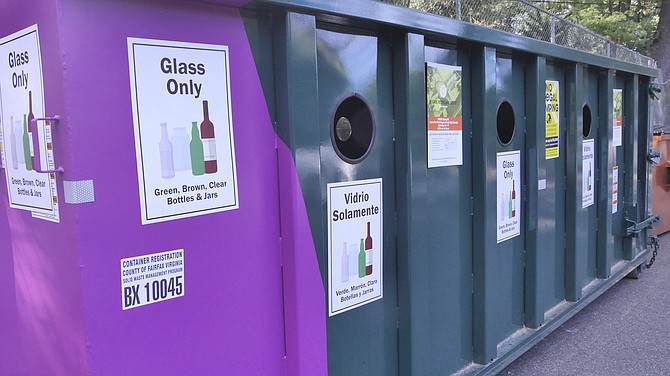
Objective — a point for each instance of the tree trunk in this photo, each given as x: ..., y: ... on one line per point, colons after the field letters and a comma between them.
x: 660, y: 47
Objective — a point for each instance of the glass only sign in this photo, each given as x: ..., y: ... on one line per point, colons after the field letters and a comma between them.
x: 21, y: 101
x: 508, y: 195
x: 183, y: 128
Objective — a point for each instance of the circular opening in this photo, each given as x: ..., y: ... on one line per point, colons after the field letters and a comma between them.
x: 353, y: 129
x: 586, y: 120
x: 505, y: 122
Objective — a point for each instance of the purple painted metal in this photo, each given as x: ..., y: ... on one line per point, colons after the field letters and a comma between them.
x: 242, y: 314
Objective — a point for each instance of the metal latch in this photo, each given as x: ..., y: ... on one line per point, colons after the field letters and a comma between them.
x: 33, y: 127
x: 633, y: 228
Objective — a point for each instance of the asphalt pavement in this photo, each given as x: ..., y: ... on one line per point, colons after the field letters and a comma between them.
x: 625, y: 331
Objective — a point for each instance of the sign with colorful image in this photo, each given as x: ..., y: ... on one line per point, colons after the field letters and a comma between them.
x: 588, y: 173
x: 552, y: 134
x: 355, y: 244
x: 21, y: 101
x: 617, y: 112
x: 444, y: 100
x: 508, y: 195
x: 183, y: 128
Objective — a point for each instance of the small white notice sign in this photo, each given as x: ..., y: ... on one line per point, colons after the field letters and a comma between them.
x: 152, y: 278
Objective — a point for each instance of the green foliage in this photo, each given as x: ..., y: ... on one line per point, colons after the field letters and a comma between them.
x: 444, y: 88
x: 632, y: 23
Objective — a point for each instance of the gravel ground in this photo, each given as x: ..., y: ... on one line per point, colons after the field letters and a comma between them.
x: 625, y: 331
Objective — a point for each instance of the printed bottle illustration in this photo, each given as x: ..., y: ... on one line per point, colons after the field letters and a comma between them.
x: 181, y: 154
x: 345, y: 263
x: 513, y: 201
x: 30, y: 119
x: 12, y: 144
x: 208, y: 141
x: 361, y: 260
x: 165, y: 148
x: 18, y: 127
x: 353, y: 258
x: 368, y: 252
x: 197, y: 156
x: 27, y: 144
x: 588, y: 180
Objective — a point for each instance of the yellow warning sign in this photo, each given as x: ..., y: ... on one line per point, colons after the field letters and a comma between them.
x: 552, y: 120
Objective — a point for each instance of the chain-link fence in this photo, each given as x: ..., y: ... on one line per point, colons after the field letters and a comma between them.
x: 523, y: 18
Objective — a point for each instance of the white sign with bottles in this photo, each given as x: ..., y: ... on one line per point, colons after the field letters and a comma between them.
x: 21, y: 101
x: 183, y: 128
x: 355, y: 244
x: 508, y: 195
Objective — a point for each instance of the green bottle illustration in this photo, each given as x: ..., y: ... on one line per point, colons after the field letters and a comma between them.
x: 197, y: 153
x: 361, y: 260
x: 27, y: 144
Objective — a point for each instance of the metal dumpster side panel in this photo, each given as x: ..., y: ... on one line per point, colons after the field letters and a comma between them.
x: 42, y: 298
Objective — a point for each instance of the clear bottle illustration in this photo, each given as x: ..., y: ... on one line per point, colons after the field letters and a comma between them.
x: 368, y: 252
x: 361, y: 260
x: 165, y: 149
x: 197, y: 156
x: 208, y: 141
x: 345, y: 263
x: 12, y: 144
x: 181, y: 154
x: 18, y: 129
x: 30, y: 119
x: 27, y: 144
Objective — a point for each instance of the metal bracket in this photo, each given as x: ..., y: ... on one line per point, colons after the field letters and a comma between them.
x: 633, y: 228
x: 36, y: 144
x: 654, y: 91
x: 653, y: 156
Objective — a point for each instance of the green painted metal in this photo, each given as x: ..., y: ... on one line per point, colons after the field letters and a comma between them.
x: 507, y: 257
x: 552, y: 203
x: 409, y: 91
x: 363, y: 340
x: 605, y: 160
x: 455, y: 300
x: 425, y: 23
x: 631, y: 152
x: 536, y: 170
x: 618, y: 223
x: 484, y: 79
x: 590, y: 244
x: 576, y: 232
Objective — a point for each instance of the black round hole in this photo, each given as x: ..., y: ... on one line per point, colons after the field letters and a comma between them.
x: 505, y: 122
x: 586, y: 120
x: 352, y: 129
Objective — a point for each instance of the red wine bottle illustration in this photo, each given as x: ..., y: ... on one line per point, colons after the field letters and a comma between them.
x: 208, y: 141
